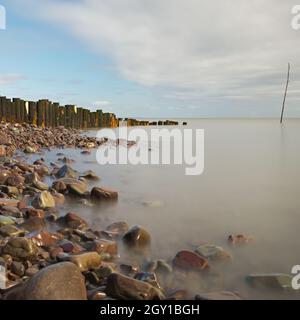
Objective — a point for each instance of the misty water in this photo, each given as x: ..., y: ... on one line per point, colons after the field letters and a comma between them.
x: 250, y: 185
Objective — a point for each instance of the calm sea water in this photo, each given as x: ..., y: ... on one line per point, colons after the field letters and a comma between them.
x: 250, y: 185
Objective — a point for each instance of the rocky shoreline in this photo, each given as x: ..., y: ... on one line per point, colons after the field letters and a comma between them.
x: 49, y: 254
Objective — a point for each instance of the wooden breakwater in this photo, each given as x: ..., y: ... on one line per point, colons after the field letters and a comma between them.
x: 45, y: 113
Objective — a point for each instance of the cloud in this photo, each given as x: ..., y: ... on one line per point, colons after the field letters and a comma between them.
x: 192, y: 49
x: 10, y: 78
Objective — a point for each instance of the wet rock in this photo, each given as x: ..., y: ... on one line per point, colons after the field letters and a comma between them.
x: 239, y: 239
x: 137, y: 238
x: 2, y: 151
x: 148, y: 277
x: 44, y: 238
x: 72, y: 220
x: 212, y: 252
x: 31, y: 212
x: 30, y: 149
x: 20, y: 248
x: 4, y: 174
x: 6, y: 221
x: 34, y: 224
x: 9, y: 202
x: 91, y: 175
x: 190, y: 261
x: 30, y: 272
x: 66, y: 172
x: 78, y: 188
x: 125, y: 288
x: 18, y: 268
x: 15, y: 180
x: 220, y: 295
x: 11, y: 212
x: 44, y: 200
x: 99, y: 194
x: 85, y: 261
x: 274, y: 281
x: 105, y: 246
x: 96, y: 294
x: 32, y: 177
x: 118, y: 228
x: 59, y: 186
x: 70, y: 247
x: 59, y: 198
x: 11, y: 191
x: 63, y: 281
x: 10, y: 231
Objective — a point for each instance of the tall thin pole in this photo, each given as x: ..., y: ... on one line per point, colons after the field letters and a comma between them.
x: 285, y: 93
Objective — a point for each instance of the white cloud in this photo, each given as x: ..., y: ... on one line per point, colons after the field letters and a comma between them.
x: 10, y: 78
x: 189, y: 49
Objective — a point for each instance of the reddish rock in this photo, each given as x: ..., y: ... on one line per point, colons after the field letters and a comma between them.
x: 59, y: 198
x: 72, y: 220
x: 99, y: 194
x: 190, y: 261
x: 54, y: 252
x: 105, y: 246
x: 15, y: 180
x: 9, y: 202
x: 59, y: 186
x: 31, y: 212
x: 34, y: 224
x: 44, y: 238
x: 2, y: 151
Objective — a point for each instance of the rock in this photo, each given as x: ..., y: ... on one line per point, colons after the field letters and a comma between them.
x: 78, y: 188
x: 96, y: 295
x: 220, y: 295
x: 9, y: 202
x: 31, y: 271
x: 32, y: 177
x: 18, y: 268
x: 239, y: 239
x: 85, y: 261
x: 10, y: 231
x: 59, y: 186
x: 72, y: 220
x: 11, y: 191
x: 66, y: 172
x: 190, y: 261
x: 15, y: 180
x: 34, y: 224
x: 125, y: 288
x: 99, y: 194
x: 11, y: 212
x: 212, y: 252
x: 20, y: 248
x: 137, y: 238
x: 61, y: 281
x: 148, y: 277
x: 2, y: 151
x: 31, y: 212
x: 70, y: 247
x: 44, y: 200
x: 59, y: 198
x: 105, y: 246
x: 44, y: 238
x: 40, y: 185
x: 4, y: 174
x: 6, y: 221
x: 30, y: 149
x: 118, y: 228
x: 274, y: 281
x: 91, y: 175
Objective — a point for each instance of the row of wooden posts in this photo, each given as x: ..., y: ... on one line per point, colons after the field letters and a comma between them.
x: 45, y: 113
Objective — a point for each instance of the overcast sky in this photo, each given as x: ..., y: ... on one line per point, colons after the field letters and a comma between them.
x: 153, y: 58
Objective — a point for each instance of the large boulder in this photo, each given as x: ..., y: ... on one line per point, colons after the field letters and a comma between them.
x: 61, y: 281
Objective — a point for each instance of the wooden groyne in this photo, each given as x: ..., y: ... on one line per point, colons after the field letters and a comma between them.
x: 45, y: 113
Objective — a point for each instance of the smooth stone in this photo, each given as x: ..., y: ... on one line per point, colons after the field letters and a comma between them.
x: 125, y: 288
x: 20, y: 248
x: 40, y: 185
x: 59, y: 198
x: 59, y: 186
x: 190, y: 261
x: 137, y: 238
x: 6, y: 221
x: 10, y: 231
x: 32, y: 177
x: 79, y: 188
x: 270, y: 281
x: 31, y: 212
x: 34, y: 224
x: 105, y: 246
x: 30, y: 149
x: 72, y: 220
x: 4, y: 174
x: 9, y: 202
x: 91, y: 175
x: 15, y: 180
x: 66, y: 172
x: 11, y: 191
x: 18, y: 268
x: 85, y: 261
x: 99, y: 194
x: 212, y: 252
x: 44, y: 238
x: 61, y: 281
x: 220, y: 295
x: 11, y: 212
x: 119, y: 228
x: 44, y: 200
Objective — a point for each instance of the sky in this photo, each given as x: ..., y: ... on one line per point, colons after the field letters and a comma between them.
x: 153, y: 58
